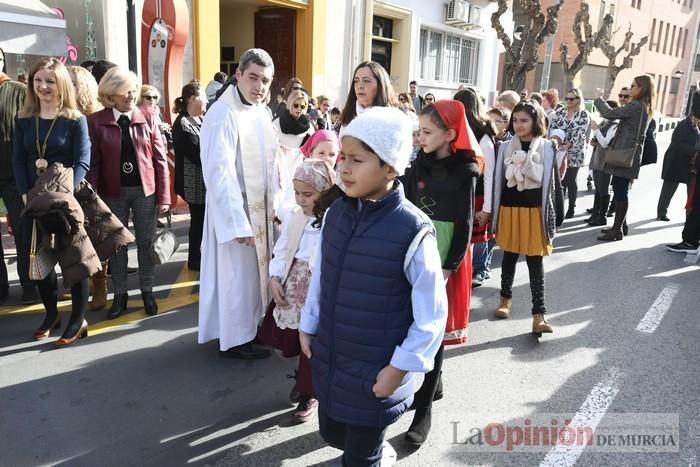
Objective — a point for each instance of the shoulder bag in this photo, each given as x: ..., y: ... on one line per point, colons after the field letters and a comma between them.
x: 623, y: 157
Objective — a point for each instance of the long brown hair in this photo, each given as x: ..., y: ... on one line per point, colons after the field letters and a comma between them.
x: 647, y: 93
x: 85, y: 90
x: 385, y: 92
x: 67, y: 107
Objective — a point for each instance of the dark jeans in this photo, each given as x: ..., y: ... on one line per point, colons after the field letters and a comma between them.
x: 361, y: 445
x: 194, y: 256
x: 23, y: 237
x: 483, y: 254
x: 569, y: 183
x: 621, y: 188
x: 668, y: 189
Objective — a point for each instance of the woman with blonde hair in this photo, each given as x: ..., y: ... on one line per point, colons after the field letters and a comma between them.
x: 631, y: 132
x: 85, y: 89
x: 291, y: 124
x: 129, y: 170
x: 507, y: 100
x: 51, y: 129
x: 574, y: 120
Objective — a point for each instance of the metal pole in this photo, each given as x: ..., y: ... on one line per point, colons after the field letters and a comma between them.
x: 547, y: 65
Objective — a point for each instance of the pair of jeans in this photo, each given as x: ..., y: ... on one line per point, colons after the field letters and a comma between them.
x: 483, y: 254
x: 22, y: 232
x: 361, y: 445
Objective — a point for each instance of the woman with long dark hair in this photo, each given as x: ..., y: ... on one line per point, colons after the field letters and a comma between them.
x: 631, y: 131
x: 189, y: 182
x: 485, y: 134
x: 371, y: 87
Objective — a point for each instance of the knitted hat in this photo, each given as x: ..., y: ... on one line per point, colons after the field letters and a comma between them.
x: 388, y: 131
x: 558, y: 133
x: 695, y: 108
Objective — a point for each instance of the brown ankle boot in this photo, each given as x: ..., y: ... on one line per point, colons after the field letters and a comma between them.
x: 503, y: 310
x: 99, y: 289
x: 540, y: 325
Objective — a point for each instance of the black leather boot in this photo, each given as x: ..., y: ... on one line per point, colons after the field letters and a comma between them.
x: 417, y: 433
x: 118, y: 306
x: 149, y: 303
x: 615, y: 233
x: 599, y: 217
x: 595, y: 209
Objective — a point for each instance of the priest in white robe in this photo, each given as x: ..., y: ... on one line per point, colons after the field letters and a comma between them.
x: 238, y: 151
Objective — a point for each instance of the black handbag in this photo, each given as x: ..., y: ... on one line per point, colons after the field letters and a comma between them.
x: 624, y: 157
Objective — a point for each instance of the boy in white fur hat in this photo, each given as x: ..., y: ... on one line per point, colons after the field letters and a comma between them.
x: 376, y: 311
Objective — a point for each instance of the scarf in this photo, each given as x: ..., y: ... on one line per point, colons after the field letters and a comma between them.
x: 292, y: 126
x: 524, y: 170
x: 454, y: 117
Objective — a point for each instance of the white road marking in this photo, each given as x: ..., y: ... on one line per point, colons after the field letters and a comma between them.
x: 661, y: 305
x: 588, y: 416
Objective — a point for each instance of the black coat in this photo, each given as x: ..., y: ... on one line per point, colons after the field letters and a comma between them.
x: 685, y: 143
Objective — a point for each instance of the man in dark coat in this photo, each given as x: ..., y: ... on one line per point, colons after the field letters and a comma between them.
x: 691, y: 230
x: 678, y: 160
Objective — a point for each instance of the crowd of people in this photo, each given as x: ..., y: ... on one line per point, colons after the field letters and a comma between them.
x: 347, y: 240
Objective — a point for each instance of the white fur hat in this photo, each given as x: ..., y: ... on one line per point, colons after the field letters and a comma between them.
x: 558, y: 133
x: 388, y: 131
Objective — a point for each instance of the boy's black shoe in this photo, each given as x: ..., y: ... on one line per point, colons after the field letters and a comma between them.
x: 682, y: 247
x: 248, y: 351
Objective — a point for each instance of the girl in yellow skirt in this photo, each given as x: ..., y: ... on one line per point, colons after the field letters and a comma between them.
x: 528, y: 206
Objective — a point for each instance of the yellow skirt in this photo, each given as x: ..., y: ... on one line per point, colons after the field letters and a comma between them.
x: 520, y: 231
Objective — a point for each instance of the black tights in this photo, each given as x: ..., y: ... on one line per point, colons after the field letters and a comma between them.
x: 80, y: 293
x: 536, y: 269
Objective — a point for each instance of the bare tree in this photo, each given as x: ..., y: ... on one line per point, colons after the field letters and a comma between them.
x: 585, y: 40
x: 521, y: 55
x: 612, y: 53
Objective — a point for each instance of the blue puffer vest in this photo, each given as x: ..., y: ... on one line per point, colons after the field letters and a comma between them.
x: 365, y: 307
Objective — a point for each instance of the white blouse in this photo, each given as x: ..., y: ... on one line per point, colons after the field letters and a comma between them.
x: 307, y: 246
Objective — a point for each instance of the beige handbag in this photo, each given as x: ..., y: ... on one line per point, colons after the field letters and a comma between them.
x: 42, y: 258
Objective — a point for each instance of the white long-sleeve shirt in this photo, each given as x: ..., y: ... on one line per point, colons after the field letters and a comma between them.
x: 429, y: 300
x: 488, y: 149
x: 308, y: 243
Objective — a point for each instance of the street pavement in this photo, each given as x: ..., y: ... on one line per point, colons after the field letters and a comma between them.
x: 139, y: 391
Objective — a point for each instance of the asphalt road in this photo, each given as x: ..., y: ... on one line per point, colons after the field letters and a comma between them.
x: 141, y: 392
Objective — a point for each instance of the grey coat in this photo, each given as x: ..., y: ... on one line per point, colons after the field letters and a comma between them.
x: 626, y: 137
x: 552, y: 196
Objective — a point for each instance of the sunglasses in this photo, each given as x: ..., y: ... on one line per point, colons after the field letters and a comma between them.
x: 300, y: 106
x: 623, y: 96
x: 429, y: 99
x: 151, y: 98
x: 572, y: 99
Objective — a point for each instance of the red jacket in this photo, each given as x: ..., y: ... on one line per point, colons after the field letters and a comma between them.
x: 105, y: 170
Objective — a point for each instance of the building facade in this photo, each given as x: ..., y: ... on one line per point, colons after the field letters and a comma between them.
x: 672, y: 30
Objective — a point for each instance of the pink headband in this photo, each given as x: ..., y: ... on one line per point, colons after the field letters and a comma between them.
x: 319, y: 137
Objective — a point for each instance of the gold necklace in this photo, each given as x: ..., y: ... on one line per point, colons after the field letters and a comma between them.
x: 41, y: 163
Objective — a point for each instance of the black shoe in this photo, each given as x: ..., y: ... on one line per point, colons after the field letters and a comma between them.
x: 569, y: 213
x: 248, y: 351
x: 29, y: 295
x: 417, y: 433
x: 663, y: 218
x: 118, y: 306
x: 149, y: 303
x: 129, y: 271
x: 682, y: 247
x: 4, y: 294
x: 192, y: 266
